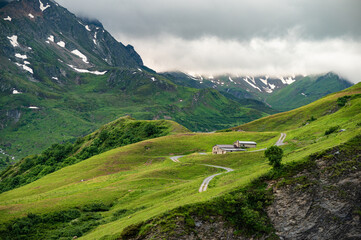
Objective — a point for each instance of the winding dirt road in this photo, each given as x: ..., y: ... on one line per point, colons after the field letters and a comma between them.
x: 206, y: 181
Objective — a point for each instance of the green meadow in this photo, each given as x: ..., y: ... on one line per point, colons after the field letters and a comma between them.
x: 139, y: 181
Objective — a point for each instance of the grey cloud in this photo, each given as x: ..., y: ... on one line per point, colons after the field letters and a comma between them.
x: 278, y: 56
x: 242, y: 19
x: 236, y: 36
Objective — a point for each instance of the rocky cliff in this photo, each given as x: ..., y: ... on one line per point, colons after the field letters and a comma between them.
x: 319, y: 198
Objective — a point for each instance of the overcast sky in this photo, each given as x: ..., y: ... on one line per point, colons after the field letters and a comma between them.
x: 250, y: 37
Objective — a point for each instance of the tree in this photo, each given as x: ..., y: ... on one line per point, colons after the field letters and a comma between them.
x: 274, y: 155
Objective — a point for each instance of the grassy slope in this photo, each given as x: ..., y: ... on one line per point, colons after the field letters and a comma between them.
x: 81, y: 108
x: 141, y: 175
x: 126, y: 176
x: 297, y: 117
x: 314, y: 87
x: 118, y: 133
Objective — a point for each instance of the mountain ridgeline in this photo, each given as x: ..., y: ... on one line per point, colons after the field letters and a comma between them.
x: 62, y: 77
x: 119, y: 133
x: 277, y: 93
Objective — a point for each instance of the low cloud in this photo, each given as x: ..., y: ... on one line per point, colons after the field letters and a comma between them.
x: 237, y: 37
x: 258, y: 56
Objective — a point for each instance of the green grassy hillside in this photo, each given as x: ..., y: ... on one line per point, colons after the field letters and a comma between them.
x: 78, y: 109
x: 323, y: 108
x: 62, y: 96
x: 118, y: 133
x: 138, y: 182
x: 136, y: 178
x: 305, y: 91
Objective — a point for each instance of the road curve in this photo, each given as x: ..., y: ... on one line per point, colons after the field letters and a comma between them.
x: 206, y: 181
x: 175, y: 158
x: 281, y: 140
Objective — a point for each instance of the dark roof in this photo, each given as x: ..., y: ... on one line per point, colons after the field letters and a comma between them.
x: 225, y: 146
x: 229, y: 148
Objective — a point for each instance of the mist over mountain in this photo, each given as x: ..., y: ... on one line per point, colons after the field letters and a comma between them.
x: 275, y: 38
x: 95, y: 144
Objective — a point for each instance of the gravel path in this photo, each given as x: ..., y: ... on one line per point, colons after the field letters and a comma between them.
x: 206, y: 181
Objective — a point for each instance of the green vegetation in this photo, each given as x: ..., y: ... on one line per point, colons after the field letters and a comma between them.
x: 65, y: 224
x: 141, y: 183
x: 274, y: 155
x: 4, y: 162
x: 243, y: 208
x: 119, y: 133
x: 305, y: 91
x: 332, y: 130
x: 343, y: 100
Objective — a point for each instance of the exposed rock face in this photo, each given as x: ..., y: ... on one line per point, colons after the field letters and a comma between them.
x: 214, y: 229
x: 321, y: 203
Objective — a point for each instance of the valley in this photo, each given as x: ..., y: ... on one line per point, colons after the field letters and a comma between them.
x: 139, y: 176
x: 94, y: 144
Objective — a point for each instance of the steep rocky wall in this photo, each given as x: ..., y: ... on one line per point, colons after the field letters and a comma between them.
x: 316, y: 199
x: 323, y: 202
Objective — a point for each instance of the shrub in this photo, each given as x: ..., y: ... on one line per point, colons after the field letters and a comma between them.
x: 274, y: 155
x: 331, y: 130
x: 311, y: 119
x: 343, y: 100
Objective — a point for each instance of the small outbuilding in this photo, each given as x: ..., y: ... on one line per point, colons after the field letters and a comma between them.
x: 245, y: 144
x: 237, y: 146
x: 223, y: 149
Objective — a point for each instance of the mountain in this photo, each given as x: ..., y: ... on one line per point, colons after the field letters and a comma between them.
x: 281, y: 94
x: 137, y: 192
x: 118, y: 133
x: 62, y: 77
x: 306, y: 90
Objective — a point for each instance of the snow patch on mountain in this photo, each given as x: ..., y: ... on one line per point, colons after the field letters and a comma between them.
x: 33, y: 107
x: 230, y: 79
x: 26, y: 68
x: 95, y: 38
x: 287, y: 81
x: 79, y: 54
x: 14, y: 41
x: 153, y: 79
x: 8, y: 18
x: 304, y: 94
x: 61, y: 44
x: 31, y: 15
x: 87, y: 28
x: 42, y: 7
x: 16, y: 92
x: 249, y: 80
x: 26, y: 63
x: 18, y: 55
x: 87, y: 71
x: 51, y: 38
x: 265, y: 81
x: 268, y: 90
x: 290, y: 80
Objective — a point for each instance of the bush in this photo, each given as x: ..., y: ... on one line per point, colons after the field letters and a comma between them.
x: 311, y: 119
x: 343, y: 100
x: 331, y: 130
x: 274, y: 155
